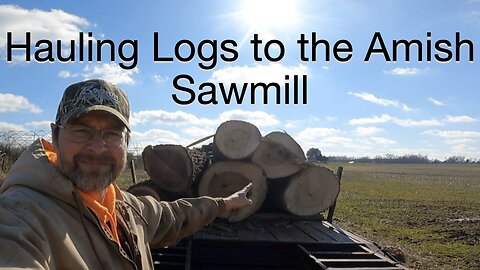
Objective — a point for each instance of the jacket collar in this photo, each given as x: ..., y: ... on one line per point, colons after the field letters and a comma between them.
x: 34, y: 170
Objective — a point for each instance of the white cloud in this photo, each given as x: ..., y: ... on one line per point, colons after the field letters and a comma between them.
x: 380, y: 101
x: 403, y: 71
x: 460, y: 119
x: 39, y: 125
x: 330, y: 118
x: 180, y: 118
x: 474, y: 15
x: 436, y: 102
x: 416, y: 123
x: 67, y: 74
x: 198, y: 132
x: 316, y: 136
x: 273, y: 72
x: 175, y: 118
x: 334, y: 141
x: 159, y: 78
x: 258, y: 118
x: 154, y: 137
x: 462, y: 142
x: 292, y: 123
x: 465, y: 150
x: 54, y: 24
x: 384, y: 118
x: 319, y: 132
x: 110, y: 72
x: 11, y: 127
x: 457, y: 141
x: 382, y: 141
x: 18, y: 59
x: 13, y: 103
x: 368, y: 131
x: 453, y: 134
x: 326, y: 144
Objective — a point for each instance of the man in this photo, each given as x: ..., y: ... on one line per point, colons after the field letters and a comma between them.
x: 60, y: 208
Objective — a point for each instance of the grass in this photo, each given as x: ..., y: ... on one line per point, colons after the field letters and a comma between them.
x: 126, y: 179
x: 428, y: 215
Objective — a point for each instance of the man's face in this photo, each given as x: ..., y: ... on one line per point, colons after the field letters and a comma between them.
x: 91, y: 165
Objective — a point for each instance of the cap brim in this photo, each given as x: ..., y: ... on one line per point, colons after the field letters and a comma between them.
x: 107, y: 109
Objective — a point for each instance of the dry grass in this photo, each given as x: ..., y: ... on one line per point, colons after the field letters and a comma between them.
x: 126, y: 179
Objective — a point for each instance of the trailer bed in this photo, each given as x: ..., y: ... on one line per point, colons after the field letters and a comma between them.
x: 274, y: 241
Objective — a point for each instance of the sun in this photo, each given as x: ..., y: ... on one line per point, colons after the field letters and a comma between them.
x: 266, y: 15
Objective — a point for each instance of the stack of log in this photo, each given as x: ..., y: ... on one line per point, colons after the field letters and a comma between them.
x: 281, y: 177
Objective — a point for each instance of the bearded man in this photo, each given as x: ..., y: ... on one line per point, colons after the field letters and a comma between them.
x: 61, y: 209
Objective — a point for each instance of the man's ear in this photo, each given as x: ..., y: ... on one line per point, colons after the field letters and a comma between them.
x: 54, y: 129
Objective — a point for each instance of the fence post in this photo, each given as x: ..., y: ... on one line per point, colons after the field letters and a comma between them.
x: 332, y: 208
x: 132, y: 169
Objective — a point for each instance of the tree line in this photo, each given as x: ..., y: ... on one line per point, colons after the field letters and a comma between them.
x: 315, y: 155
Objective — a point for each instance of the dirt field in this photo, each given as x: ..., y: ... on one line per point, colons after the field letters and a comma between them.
x: 426, y: 215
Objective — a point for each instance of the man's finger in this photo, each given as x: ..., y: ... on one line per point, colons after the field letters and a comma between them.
x: 247, y: 187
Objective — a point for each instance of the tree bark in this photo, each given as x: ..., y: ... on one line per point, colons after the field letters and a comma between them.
x: 172, y: 167
x: 223, y: 178
x: 279, y: 155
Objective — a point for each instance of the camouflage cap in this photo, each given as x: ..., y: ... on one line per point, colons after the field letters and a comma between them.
x: 93, y: 95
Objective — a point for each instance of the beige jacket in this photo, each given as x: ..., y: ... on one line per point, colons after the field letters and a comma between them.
x: 44, y: 224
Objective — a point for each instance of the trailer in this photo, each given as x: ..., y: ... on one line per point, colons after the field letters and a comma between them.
x: 274, y: 241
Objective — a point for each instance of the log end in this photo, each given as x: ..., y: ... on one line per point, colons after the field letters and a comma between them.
x: 236, y: 140
x: 276, y: 159
x: 169, y: 166
x: 224, y: 178
x: 311, y: 191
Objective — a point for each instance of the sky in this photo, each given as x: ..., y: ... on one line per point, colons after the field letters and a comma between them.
x: 424, y: 100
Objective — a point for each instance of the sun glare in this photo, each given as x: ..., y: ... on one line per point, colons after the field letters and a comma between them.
x: 268, y: 14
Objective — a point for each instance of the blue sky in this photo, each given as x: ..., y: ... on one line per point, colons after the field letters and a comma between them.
x: 354, y: 108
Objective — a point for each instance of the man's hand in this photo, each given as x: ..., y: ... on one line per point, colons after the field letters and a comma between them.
x: 238, y: 199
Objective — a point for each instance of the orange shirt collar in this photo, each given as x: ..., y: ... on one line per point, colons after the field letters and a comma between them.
x: 104, y: 208
x: 49, y: 151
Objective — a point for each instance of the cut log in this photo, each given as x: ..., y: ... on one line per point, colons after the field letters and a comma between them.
x: 172, y: 167
x: 223, y: 178
x: 309, y: 192
x: 279, y: 155
x: 145, y: 188
x: 235, y: 140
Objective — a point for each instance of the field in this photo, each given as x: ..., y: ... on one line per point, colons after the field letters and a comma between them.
x: 428, y: 216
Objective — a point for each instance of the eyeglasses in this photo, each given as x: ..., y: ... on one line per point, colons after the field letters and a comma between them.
x: 84, y: 134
